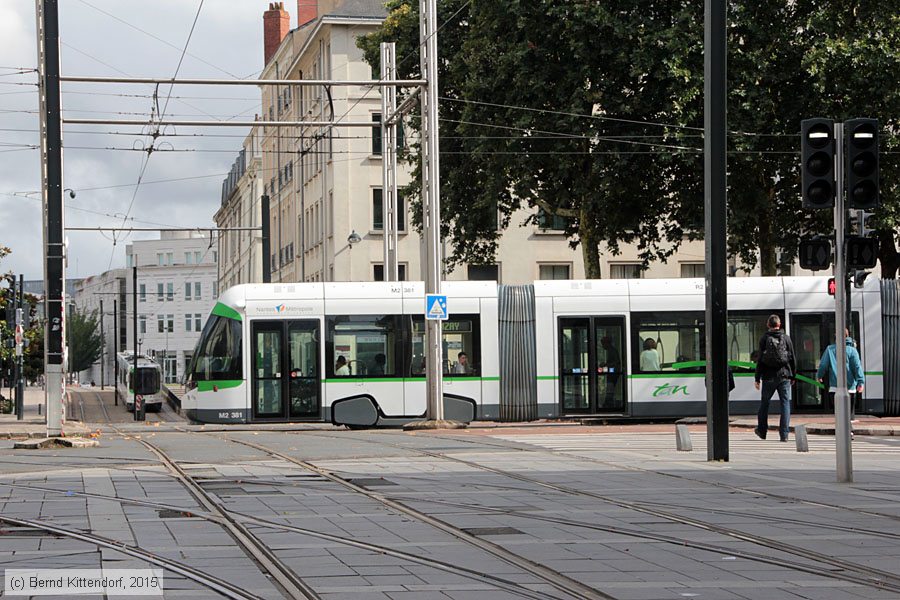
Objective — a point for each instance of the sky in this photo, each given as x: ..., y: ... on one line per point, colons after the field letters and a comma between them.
x: 124, y: 38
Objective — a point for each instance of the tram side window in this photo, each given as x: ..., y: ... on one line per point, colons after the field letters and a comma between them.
x: 676, y: 338
x: 461, y: 346
x: 744, y: 332
x: 218, y: 354
x: 363, y: 346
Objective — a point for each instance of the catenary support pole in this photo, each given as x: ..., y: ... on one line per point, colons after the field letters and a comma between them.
x: 844, y: 455
x: 102, y: 348
x: 52, y: 185
x: 20, y: 359
x: 116, y: 350
x: 431, y: 206
x: 715, y: 194
x: 389, y: 163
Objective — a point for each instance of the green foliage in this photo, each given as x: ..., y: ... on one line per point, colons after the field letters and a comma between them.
x: 85, y: 343
x: 593, y: 111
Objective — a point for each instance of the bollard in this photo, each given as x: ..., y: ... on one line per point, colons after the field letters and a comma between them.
x: 683, y: 439
x: 800, y: 438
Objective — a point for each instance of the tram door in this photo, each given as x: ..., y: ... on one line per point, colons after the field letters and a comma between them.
x: 286, y: 374
x: 593, y: 373
x: 811, y: 334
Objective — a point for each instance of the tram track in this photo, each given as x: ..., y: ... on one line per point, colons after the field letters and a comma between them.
x: 496, y: 581
x: 289, y: 583
x: 868, y: 576
x: 556, y: 579
x: 216, y: 584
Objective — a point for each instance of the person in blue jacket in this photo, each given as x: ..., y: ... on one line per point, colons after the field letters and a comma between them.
x: 855, y: 378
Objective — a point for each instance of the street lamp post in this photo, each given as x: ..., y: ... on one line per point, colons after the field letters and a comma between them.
x: 352, y: 239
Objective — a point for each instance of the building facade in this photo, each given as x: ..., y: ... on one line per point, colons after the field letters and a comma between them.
x: 240, y: 247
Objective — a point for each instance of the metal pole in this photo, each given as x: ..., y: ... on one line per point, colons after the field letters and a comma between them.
x: 103, y: 347
x: 266, y: 240
x: 139, y: 408
x: 20, y: 359
x: 389, y: 163
x: 116, y: 350
x: 715, y: 192
x: 844, y: 455
x: 431, y: 207
x: 54, y: 250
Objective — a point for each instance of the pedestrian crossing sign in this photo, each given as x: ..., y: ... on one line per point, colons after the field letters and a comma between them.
x: 436, y: 307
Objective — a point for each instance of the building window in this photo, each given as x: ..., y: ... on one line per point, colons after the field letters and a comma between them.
x: 130, y: 260
x: 215, y: 293
x: 188, y: 258
x: 484, y: 273
x: 554, y: 272
x: 378, y: 272
x: 170, y: 321
x: 143, y: 324
x: 160, y: 295
x: 142, y: 292
x: 549, y: 222
x: 170, y: 258
x: 378, y: 211
x: 160, y: 259
x: 197, y: 288
x: 160, y: 323
x: 376, y: 134
x: 626, y: 271
x: 170, y: 291
x: 215, y: 257
x: 187, y: 290
x: 693, y: 270
x: 198, y: 319
x: 187, y: 322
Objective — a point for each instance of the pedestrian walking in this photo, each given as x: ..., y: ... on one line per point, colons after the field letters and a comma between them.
x: 856, y: 380
x: 775, y: 372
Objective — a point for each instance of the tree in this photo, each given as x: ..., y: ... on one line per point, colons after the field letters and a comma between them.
x: 85, y: 343
x: 593, y: 111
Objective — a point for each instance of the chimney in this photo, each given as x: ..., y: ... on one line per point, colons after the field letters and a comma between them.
x: 276, y: 24
x: 307, y: 10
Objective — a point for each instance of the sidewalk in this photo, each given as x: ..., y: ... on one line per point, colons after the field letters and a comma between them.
x: 33, y: 425
x: 824, y: 424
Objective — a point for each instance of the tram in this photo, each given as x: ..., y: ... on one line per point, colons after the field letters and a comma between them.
x: 147, y: 383
x: 353, y: 353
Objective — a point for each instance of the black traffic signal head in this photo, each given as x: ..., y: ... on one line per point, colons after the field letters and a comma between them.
x: 817, y: 168
x: 861, y: 163
x: 861, y: 252
x: 815, y: 255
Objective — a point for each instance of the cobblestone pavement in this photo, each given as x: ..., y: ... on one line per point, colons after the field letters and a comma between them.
x: 525, y: 513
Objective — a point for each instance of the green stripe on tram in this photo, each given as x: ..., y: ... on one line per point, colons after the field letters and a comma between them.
x: 207, y: 386
x: 401, y: 379
x: 875, y: 373
x: 223, y: 310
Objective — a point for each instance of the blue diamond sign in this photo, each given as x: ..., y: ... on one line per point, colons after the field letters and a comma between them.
x: 436, y: 307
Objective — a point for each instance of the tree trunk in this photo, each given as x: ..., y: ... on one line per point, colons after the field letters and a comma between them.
x: 768, y: 262
x: 888, y: 255
x: 590, y: 247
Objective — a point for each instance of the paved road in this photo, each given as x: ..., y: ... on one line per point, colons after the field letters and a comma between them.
x: 462, y: 515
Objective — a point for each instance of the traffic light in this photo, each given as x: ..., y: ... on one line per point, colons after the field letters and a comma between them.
x: 815, y: 255
x: 861, y: 252
x: 861, y: 163
x: 832, y: 287
x: 817, y: 153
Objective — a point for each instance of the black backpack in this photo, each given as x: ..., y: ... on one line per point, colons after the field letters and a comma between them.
x: 775, y: 354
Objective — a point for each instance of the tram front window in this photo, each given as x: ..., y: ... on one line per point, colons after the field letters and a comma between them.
x: 147, y: 381
x: 218, y: 354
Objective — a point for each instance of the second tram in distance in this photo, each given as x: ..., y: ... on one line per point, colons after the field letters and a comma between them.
x: 353, y: 353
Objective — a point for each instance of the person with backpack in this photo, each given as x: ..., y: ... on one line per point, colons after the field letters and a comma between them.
x: 775, y: 371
